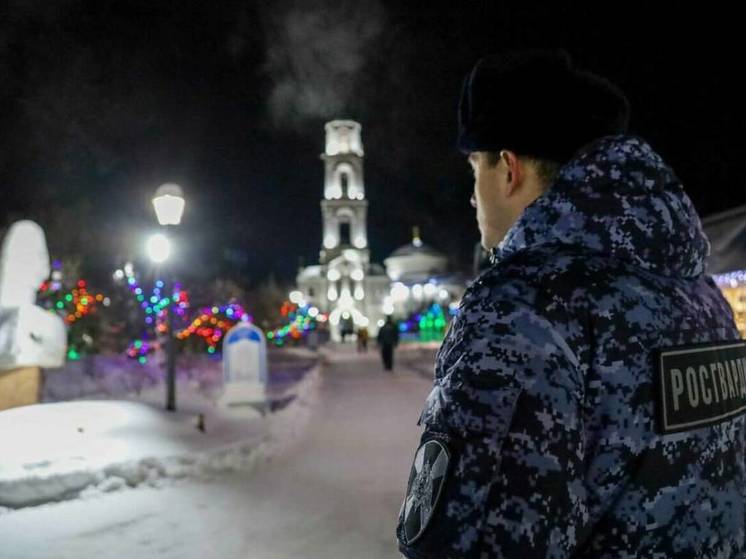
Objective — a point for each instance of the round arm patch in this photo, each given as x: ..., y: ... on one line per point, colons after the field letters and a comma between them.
x: 426, y: 480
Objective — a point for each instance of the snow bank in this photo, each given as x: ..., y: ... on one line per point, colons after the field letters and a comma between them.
x: 81, y: 449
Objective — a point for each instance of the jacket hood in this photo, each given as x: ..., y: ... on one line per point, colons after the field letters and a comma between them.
x: 616, y: 197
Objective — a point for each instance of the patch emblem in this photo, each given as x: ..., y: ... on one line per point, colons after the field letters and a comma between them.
x: 700, y: 385
x: 423, y: 491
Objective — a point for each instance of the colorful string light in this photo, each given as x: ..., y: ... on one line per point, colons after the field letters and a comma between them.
x: 156, y: 307
x: 300, y: 323
x: 156, y: 304
x: 77, y: 303
x: 429, y: 325
x: 213, y: 322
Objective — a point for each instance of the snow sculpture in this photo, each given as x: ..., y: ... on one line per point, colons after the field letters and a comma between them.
x: 244, y: 365
x: 29, y: 335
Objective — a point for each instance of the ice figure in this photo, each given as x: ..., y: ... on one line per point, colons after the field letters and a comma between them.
x: 30, y: 336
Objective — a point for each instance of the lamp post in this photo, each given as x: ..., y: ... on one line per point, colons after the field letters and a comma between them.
x: 169, y: 207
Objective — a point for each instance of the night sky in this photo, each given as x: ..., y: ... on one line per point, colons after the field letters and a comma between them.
x: 102, y: 101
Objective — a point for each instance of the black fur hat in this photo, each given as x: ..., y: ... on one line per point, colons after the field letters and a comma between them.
x: 536, y: 103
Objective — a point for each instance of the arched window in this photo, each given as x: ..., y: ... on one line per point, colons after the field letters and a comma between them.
x: 344, y: 233
x: 344, y: 180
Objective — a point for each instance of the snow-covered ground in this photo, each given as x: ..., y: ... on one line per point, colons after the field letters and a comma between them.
x: 63, y: 450
x: 322, y: 478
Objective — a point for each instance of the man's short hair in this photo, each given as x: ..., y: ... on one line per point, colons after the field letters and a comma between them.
x: 537, y: 104
x: 546, y: 170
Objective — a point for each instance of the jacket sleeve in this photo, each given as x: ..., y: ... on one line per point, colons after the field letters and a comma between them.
x: 505, y: 413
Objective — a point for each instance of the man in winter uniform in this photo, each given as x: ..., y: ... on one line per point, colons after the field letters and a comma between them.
x: 588, y: 399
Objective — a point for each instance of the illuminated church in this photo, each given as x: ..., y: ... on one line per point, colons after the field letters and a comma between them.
x: 353, y: 291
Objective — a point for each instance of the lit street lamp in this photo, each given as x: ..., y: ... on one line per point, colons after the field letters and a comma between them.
x: 159, y: 248
x: 169, y: 207
x: 169, y: 204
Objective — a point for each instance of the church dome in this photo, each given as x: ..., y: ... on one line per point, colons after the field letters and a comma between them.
x: 412, y: 249
x: 415, y: 259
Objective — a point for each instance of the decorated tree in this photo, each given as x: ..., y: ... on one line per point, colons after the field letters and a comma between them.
x: 428, y: 324
x: 300, y: 320
x: 78, y: 306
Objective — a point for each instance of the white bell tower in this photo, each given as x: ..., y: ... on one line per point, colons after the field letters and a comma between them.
x: 344, y: 208
x: 345, y: 285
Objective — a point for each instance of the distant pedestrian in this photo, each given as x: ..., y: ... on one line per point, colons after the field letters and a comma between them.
x: 345, y: 328
x: 362, y: 339
x: 313, y: 339
x: 388, y: 339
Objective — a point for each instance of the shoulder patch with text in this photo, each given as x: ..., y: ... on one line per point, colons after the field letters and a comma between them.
x: 700, y: 385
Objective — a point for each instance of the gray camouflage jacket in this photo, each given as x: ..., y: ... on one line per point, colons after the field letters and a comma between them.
x: 588, y: 399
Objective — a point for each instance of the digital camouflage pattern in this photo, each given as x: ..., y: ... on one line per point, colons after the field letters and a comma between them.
x: 544, y: 390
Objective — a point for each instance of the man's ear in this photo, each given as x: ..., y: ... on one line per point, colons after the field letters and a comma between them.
x: 514, y: 170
